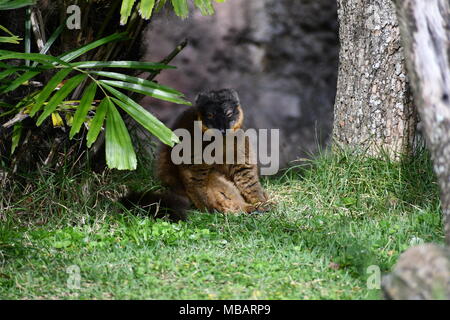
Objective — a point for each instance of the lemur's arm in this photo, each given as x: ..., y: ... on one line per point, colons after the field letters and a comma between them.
x: 246, y: 178
x: 195, y: 179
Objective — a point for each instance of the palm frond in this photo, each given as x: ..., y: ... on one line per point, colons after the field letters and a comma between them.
x: 51, y: 101
x: 15, y: 4
x: 147, y: 7
x: 11, y: 38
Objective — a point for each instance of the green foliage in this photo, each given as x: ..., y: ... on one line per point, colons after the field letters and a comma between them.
x: 98, y: 108
x: 119, y: 149
x: 15, y: 4
x: 147, y: 7
x: 51, y: 100
x: 11, y: 39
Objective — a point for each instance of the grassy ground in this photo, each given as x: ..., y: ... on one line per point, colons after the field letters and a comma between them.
x: 334, y: 217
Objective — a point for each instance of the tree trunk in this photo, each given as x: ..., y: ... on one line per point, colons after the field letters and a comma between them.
x: 373, y: 109
x: 425, y: 27
x: 424, y: 272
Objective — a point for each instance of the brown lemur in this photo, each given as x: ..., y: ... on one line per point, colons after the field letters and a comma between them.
x: 226, y: 188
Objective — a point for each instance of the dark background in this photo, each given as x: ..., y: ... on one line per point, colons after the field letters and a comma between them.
x: 281, y: 56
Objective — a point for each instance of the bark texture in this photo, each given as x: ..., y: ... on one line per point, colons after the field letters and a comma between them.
x: 373, y: 109
x: 422, y: 273
x: 425, y: 27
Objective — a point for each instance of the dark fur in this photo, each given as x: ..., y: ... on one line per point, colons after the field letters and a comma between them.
x: 227, y: 188
x: 158, y: 205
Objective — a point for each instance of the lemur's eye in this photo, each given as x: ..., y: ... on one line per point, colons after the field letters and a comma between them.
x: 209, y: 115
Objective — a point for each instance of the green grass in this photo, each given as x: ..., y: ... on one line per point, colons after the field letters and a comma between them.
x: 334, y: 217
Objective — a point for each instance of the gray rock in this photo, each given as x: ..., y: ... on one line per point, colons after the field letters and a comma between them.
x: 422, y: 273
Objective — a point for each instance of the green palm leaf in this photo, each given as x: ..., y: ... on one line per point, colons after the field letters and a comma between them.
x: 15, y: 4
x: 181, y: 8
x: 96, y: 124
x: 11, y: 39
x: 17, y: 133
x: 83, y: 108
x: 59, y: 96
x: 125, y: 10
x: 52, y: 39
x: 205, y: 6
x: 42, y: 58
x: 20, y: 80
x: 80, y: 51
x: 122, y: 64
x: 156, y: 93
x: 131, y: 79
x: 143, y: 117
x: 119, y: 148
x: 8, y: 72
x: 160, y: 5
x: 146, y: 8
x: 48, y: 89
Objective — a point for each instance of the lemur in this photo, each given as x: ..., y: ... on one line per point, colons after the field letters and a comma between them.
x: 226, y: 188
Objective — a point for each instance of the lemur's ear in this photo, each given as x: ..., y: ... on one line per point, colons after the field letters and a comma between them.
x: 234, y: 95
x: 202, y: 98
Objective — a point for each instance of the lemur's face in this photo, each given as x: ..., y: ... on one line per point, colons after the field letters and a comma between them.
x: 220, y: 110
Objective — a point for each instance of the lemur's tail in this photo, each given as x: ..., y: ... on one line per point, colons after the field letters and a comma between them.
x: 158, y: 205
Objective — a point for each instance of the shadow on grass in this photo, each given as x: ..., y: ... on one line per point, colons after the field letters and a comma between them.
x: 345, y: 210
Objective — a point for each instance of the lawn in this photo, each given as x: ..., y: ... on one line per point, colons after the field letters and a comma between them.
x: 334, y: 217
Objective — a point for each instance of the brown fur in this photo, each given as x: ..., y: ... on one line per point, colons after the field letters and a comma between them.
x: 217, y: 187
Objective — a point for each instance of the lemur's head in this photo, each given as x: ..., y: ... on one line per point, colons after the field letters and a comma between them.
x: 220, y: 110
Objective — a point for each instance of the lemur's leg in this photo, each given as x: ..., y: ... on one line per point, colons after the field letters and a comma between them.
x: 245, y: 176
x: 223, y: 196
x: 195, y: 179
x: 246, y: 179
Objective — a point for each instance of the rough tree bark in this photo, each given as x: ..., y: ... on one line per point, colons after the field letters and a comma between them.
x: 373, y: 109
x: 425, y: 29
x: 424, y: 272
